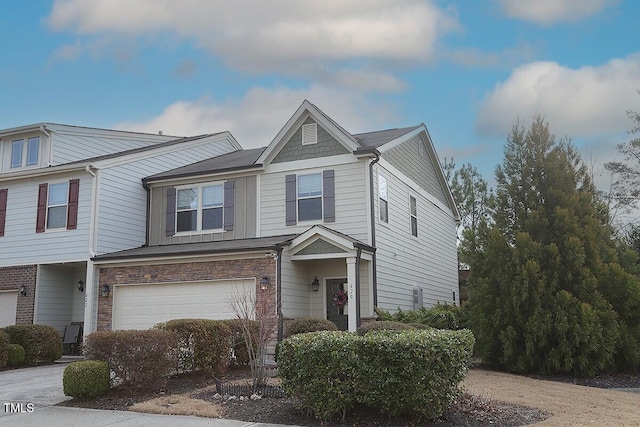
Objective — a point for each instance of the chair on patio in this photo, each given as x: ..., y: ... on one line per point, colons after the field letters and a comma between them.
x: 71, y: 338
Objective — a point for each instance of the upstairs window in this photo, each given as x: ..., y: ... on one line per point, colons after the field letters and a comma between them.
x: 383, y: 196
x: 22, y: 156
x: 200, y: 208
x: 413, y: 208
x: 57, y: 205
x: 310, y: 197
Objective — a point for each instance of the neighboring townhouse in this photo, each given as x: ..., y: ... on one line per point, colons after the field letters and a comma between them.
x: 67, y: 194
x: 316, y: 216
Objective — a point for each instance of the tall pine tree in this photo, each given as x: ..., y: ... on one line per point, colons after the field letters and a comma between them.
x: 550, y: 295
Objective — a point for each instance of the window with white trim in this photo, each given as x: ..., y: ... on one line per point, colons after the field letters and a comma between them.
x: 309, y: 197
x: 413, y: 213
x: 383, y: 199
x: 57, y: 199
x: 200, y: 208
x: 22, y: 156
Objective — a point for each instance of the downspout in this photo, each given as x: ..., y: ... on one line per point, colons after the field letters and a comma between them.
x: 43, y: 129
x: 90, y: 277
x: 358, y: 303
x: 146, y: 230
x: 279, y: 294
x: 375, y: 160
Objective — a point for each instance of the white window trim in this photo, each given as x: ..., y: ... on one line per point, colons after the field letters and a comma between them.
x: 411, y: 216
x: 321, y: 196
x: 313, y: 126
x: 66, y: 205
x: 199, y: 209
x: 25, y: 150
x: 386, y: 199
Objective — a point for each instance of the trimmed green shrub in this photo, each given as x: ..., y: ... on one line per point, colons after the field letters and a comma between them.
x: 140, y: 359
x: 4, y: 350
x: 203, y: 344
x: 309, y: 324
x: 41, y: 343
x: 391, y: 372
x: 383, y: 325
x: 16, y: 355
x: 86, y: 379
x: 440, y: 316
x: 238, y: 344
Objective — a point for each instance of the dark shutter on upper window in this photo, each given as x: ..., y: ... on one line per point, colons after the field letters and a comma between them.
x: 72, y: 213
x: 42, y: 208
x: 229, y: 194
x: 329, y: 195
x: 3, y: 209
x: 170, y: 229
x: 291, y: 195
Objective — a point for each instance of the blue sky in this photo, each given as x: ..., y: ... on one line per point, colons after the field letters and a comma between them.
x: 466, y: 68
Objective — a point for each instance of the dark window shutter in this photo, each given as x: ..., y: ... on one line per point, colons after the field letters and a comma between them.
x: 229, y: 194
x: 72, y: 208
x: 329, y: 195
x: 291, y: 196
x: 42, y: 208
x: 3, y: 209
x: 170, y: 229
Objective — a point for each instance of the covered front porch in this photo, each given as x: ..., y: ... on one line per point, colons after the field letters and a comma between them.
x: 327, y: 274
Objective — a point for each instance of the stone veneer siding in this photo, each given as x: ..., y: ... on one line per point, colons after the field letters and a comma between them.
x: 11, y: 278
x: 181, y: 272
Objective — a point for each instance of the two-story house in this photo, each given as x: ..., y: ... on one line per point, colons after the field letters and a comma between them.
x: 67, y: 194
x: 316, y: 212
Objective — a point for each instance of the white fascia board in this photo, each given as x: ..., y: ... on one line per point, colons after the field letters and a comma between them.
x: 180, y: 259
x: 21, y: 129
x: 399, y: 140
x: 54, y: 170
x: 112, y: 133
x: 320, y: 162
x: 350, y: 254
x: 443, y: 179
x: 198, y: 178
x: 315, y: 232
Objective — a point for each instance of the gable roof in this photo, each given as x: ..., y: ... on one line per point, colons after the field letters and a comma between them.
x: 378, y: 138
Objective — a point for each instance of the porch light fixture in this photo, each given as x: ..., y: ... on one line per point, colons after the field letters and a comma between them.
x: 315, y: 285
x: 80, y: 285
x: 23, y: 290
x: 104, y: 291
x: 264, y: 282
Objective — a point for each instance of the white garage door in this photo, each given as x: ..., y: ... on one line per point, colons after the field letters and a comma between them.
x: 8, y: 302
x: 142, y: 306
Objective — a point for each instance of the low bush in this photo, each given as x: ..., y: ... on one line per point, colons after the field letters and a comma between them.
x: 203, y: 344
x: 140, y: 359
x: 391, y: 372
x: 4, y: 348
x: 41, y: 343
x: 238, y: 344
x: 440, y: 316
x: 383, y: 325
x: 309, y: 324
x: 15, y: 354
x: 86, y: 379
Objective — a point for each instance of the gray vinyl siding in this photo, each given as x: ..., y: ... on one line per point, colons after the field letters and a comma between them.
x: 21, y: 245
x: 404, y: 262
x: 296, y: 287
x: 414, y: 160
x: 244, y: 222
x: 350, y: 202
x: 326, y: 145
x: 123, y: 200
x: 58, y: 300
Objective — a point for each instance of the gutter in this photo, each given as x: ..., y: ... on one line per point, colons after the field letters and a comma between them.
x: 375, y: 160
x: 43, y: 129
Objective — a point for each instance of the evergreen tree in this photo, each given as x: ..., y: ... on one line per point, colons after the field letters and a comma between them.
x: 550, y: 295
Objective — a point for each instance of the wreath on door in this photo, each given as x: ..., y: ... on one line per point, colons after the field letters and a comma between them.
x: 340, y: 299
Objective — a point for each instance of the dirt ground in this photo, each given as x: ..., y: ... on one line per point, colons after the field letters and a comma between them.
x: 571, y: 405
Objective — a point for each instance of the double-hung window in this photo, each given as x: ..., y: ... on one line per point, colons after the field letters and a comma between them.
x: 57, y: 205
x: 383, y: 199
x: 310, y: 197
x: 21, y: 157
x: 413, y: 208
x: 200, y: 208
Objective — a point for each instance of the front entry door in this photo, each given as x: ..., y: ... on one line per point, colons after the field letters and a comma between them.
x: 335, y: 313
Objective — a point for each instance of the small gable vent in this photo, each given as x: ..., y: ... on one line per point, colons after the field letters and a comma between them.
x: 310, y: 134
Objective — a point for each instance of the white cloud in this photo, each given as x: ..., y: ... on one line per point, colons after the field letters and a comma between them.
x: 255, y: 119
x: 547, y: 12
x: 588, y: 101
x: 297, y: 38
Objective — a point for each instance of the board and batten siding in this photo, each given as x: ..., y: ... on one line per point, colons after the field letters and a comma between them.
x: 74, y: 146
x: 244, y: 218
x: 403, y: 262
x: 350, y: 202
x: 21, y: 245
x: 122, y: 209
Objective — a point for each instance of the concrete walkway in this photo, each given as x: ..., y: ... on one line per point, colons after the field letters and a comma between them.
x: 28, y: 397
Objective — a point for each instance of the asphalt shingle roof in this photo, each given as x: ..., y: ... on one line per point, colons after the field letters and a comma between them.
x: 377, y: 138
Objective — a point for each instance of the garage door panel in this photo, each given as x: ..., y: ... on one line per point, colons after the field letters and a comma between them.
x: 143, y: 306
x: 8, y: 304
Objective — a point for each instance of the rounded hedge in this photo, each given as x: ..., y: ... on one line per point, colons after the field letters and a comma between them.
x: 384, y: 325
x: 309, y: 324
x: 86, y: 379
x: 41, y: 343
x: 16, y: 355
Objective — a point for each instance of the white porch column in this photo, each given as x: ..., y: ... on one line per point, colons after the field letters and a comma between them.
x: 90, y: 303
x: 352, y: 307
